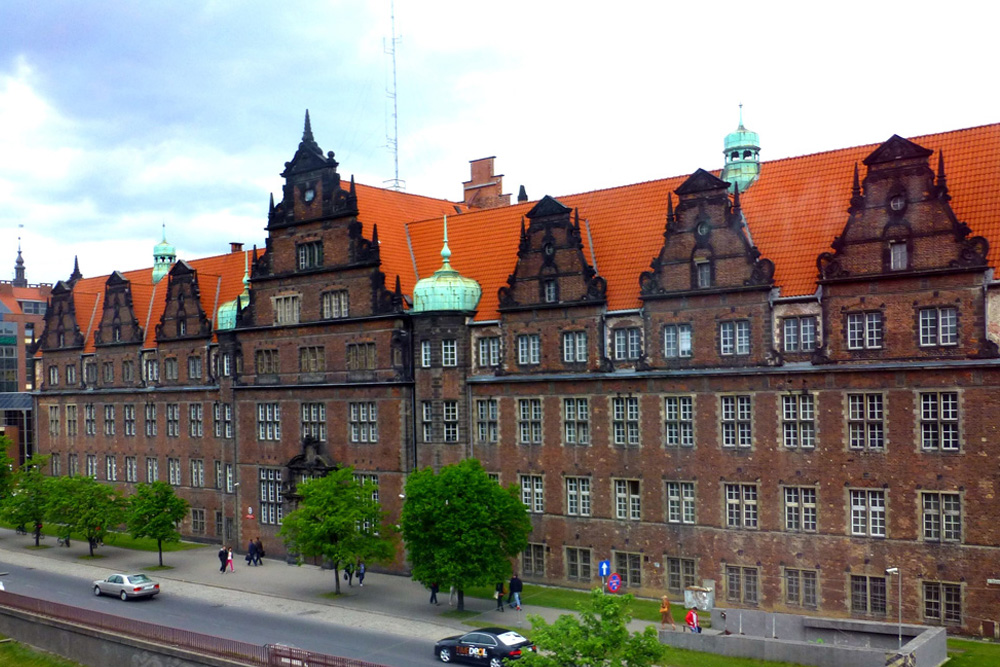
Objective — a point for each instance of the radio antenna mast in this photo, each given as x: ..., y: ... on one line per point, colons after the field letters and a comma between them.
x: 394, y: 183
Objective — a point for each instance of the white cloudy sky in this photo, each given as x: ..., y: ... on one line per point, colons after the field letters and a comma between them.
x: 119, y: 117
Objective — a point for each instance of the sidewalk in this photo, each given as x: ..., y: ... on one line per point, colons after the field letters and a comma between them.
x: 388, y: 603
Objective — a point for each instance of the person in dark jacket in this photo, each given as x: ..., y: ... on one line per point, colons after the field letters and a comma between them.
x: 349, y: 574
x: 251, y: 553
x: 514, y: 599
x: 223, y: 557
x: 499, y: 595
x: 434, y: 593
x: 259, y: 552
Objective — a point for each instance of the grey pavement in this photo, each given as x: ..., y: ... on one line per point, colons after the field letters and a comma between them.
x: 387, y: 603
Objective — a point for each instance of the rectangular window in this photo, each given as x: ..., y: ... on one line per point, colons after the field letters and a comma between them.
x: 449, y: 352
x: 269, y: 421
x: 109, y: 420
x: 218, y: 475
x: 71, y: 421
x: 197, y: 472
x: 450, y: 410
x: 270, y: 496
x: 533, y: 493
x: 574, y: 347
x: 798, y: 420
x: 678, y: 412
x: 128, y: 371
x: 230, y: 478
x: 371, y: 481
x: 898, y: 256
x: 868, y: 595
x: 680, y: 574
x: 286, y: 309
x: 736, y: 421
x: 938, y: 326
x: 800, y: 509
x: 90, y: 372
x: 533, y: 560
x: 170, y: 368
x: 74, y: 464
x: 111, y: 468
x: 55, y: 465
x: 425, y: 354
x: 942, y: 603
x: 194, y: 367
x: 131, y: 469
x: 625, y: 420
x: 361, y: 357
x: 629, y: 568
x: 742, y: 584
x: 152, y: 470
x: 942, y: 517
x: 266, y: 362
x: 529, y: 421
x: 939, y: 421
x: 576, y: 421
x: 489, y: 351
x: 90, y: 419
x: 310, y: 254
x: 150, y: 420
x: 152, y: 369
x: 174, y: 471
x: 550, y: 290
x: 173, y: 420
x: 734, y: 337
x: 197, y: 521
x: 312, y: 359
x: 196, y: 416
x: 529, y: 349
x: 314, y: 421
x: 868, y: 512
x: 703, y: 274
x: 801, y: 589
x: 680, y: 502
x: 487, y: 429
x: 578, y: 496
x: 54, y: 420
x: 628, y: 501
x: 741, y: 506
x: 865, y: 421
x: 363, y: 421
x: 108, y: 372
x: 427, y: 420
x: 864, y: 330
x: 677, y: 341
x: 578, y: 564
x: 628, y: 343
x: 335, y: 304
x: 799, y: 334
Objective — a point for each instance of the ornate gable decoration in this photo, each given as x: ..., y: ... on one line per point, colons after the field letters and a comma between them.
x: 551, y: 269
x: 900, y: 220
x: 61, y: 330
x: 183, y: 317
x: 706, y: 245
x: 118, y: 325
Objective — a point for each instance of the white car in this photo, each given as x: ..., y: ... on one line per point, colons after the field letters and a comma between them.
x: 127, y: 586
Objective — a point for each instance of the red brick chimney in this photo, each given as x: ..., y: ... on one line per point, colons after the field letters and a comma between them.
x: 484, y: 189
x: 235, y: 247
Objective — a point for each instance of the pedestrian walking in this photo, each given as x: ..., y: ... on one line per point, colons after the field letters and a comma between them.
x: 665, y: 614
x: 223, y: 556
x: 451, y: 596
x: 692, y: 620
x: 361, y: 573
x: 499, y: 595
x: 349, y: 574
x: 514, y: 599
x: 229, y: 559
x: 260, y: 551
x: 434, y: 593
x: 251, y: 553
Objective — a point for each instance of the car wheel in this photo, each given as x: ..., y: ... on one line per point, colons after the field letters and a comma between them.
x: 123, y: 595
x: 496, y: 662
x: 97, y: 591
x: 445, y: 654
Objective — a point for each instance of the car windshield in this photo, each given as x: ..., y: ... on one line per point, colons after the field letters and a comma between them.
x: 138, y: 578
x: 511, y: 638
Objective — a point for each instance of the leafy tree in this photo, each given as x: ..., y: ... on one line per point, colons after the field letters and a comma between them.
x: 154, y: 511
x: 84, y: 505
x: 461, y: 528
x: 599, y: 637
x: 8, y: 473
x: 337, y: 519
x: 27, y: 504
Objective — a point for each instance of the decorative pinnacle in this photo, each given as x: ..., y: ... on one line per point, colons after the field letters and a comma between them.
x: 307, y: 133
x: 445, y: 250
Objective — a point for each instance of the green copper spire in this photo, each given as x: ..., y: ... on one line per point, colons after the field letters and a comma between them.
x: 164, y: 256
x: 742, y: 151
x: 446, y: 289
x: 226, y: 318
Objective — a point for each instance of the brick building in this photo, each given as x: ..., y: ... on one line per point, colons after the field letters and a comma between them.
x: 779, y: 377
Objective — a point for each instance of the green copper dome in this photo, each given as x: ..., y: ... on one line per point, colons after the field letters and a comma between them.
x: 446, y: 289
x: 164, y: 256
x: 226, y: 317
x: 742, y: 151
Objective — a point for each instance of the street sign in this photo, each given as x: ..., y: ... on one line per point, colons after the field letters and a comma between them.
x: 604, y: 568
x: 614, y: 582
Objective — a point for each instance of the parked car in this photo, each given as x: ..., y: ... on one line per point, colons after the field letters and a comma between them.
x: 127, y: 586
x: 486, y: 646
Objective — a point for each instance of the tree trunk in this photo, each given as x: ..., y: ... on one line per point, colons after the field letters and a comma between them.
x: 159, y: 546
x: 461, y: 600
x: 336, y: 577
x: 90, y: 541
x: 38, y: 533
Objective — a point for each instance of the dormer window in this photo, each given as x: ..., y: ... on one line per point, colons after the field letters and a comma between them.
x: 899, y: 259
x: 116, y: 333
x: 703, y: 274
x: 182, y: 327
x: 551, y: 291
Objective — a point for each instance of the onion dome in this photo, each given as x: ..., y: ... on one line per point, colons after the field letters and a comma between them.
x: 447, y: 289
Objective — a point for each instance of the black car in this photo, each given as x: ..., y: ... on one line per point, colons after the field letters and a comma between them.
x: 486, y: 646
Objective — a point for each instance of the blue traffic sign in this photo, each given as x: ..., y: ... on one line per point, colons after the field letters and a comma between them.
x: 614, y: 582
x: 604, y: 568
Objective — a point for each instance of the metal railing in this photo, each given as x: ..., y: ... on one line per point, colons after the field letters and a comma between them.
x: 270, y: 655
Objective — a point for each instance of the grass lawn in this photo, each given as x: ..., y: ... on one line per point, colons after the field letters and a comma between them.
x: 13, y: 654
x: 123, y: 540
x: 970, y: 653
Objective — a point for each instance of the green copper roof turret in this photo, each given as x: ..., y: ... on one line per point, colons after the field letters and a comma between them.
x: 447, y: 289
x: 742, y: 151
x: 164, y: 256
x: 226, y: 317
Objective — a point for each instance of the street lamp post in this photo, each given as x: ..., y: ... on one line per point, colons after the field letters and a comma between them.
x: 899, y: 606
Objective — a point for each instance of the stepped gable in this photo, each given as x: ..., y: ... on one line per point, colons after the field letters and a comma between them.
x: 183, y: 316
x: 62, y: 331
x: 706, y: 246
x: 900, y: 220
x: 551, y: 269
x: 118, y: 324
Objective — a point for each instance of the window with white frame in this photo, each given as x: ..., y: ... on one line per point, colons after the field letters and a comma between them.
x: 868, y: 595
x: 800, y: 509
x: 529, y: 421
x: 450, y: 422
x: 798, y: 420
x: 628, y: 501
x: 90, y: 419
x: 942, y: 516
x: 680, y: 502
x: 152, y: 368
x: 218, y: 475
x: 864, y: 330
x: 449, y: 352
x: 865, y: 421
x: 574, y: 347
x: 742, y: 584
x: 533, y: 560
x: 578, y: 564
x: 898, y: 256
x: 868, y: 512
x: 576, y: 421
x: 111, y: 468
x: 942, y: 603
x: 53, y: 375
x: 938, y: 326
x: 109, y: 420
x: 197, y: 472
x: 108, y: 372
x: 361, y: 356
x: 677, y: 341
x: 171, y: 369
x: 741, y: 506
x: 335, y: 304
x: 266, y: 362
x: 92, y: 466
x: 314, y: 421
x: 371, y: 481
x: 286, y: 309
x: 736, y: 421
x: 194, y: 367
x: 799, y: 334
x: 174, y: 471
x: 363, y: 421
x: 150, y: 420
x: 128, y: 371
x: 734, y: 337
x: 196, y: 420
x: 939, y: 421
x: 578, y: 496
x: 801, y: 587
x: 55, y: 465
x: 425, y: 354
x: 681, y: 573
x: 529, y: 349
x: 628, y: 343
x: 54, y: 420
x: 625, y: 420
x: 487, y: 429
x: 628, y: 565
x: 152, y: 469
x: 703, y: 274
x: 230, y: 478
x: 72, y: 424
x: 678, y: 413
x: 197, y: 521
x: 269, y: 421
x: 309, y: 254
x: 73, y: 462
x: 489, y: 351
x: 550, y: 291
x: 533, y: 493
x: 427, y: 420
x: 131, y: 469
x: 270, y: 496
x: 173, y: 420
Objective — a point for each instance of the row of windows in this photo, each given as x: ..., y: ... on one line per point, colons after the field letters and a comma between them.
x: 150, y: 368
x: 333, y: 305
x: 224, y: 472
x: 222, y: 420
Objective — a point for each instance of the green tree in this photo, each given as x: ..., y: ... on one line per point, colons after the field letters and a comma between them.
x: 85, y: 506
x: 461, y: 528
x: 8, y: 472
x: 338, y: 520
x: 598, y: 637
x: 27, y: 504
x: 154, y: 511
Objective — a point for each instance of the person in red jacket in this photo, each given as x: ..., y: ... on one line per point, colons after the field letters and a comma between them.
x: 692, y: 620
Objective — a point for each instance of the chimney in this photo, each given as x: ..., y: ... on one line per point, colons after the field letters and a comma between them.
x: 235, y: 247
x: 484, y: 189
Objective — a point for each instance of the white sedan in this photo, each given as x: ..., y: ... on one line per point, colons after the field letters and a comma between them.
x: 127, y: 586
